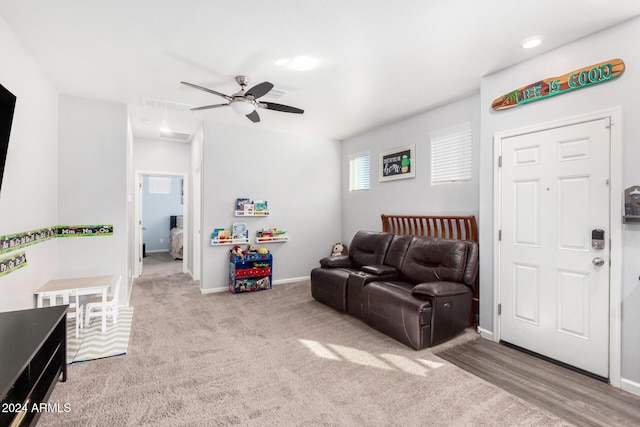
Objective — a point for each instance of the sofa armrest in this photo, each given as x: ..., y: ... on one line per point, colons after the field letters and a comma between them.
x: 336, y: 261
x: 379, y: 269
x: 440, y: 289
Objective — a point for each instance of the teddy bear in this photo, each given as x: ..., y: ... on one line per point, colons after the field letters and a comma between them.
x: 339, y: 250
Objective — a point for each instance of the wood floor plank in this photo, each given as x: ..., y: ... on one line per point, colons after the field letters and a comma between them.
x: 571, y: 395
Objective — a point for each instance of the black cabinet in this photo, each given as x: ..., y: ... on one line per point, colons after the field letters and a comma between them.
x: 33, y: 347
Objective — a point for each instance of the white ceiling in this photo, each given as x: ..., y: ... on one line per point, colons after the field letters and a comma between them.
x: 380, y: 60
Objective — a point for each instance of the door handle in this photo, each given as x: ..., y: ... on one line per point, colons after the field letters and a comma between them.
x: 598, y: 261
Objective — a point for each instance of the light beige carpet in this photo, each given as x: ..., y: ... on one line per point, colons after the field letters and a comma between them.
x: 160, y: 264
x: 272, y: 358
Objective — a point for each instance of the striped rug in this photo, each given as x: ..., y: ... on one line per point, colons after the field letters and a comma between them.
x: 92, y: 344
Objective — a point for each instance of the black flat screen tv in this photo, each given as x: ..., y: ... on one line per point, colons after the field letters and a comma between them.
x: 7, y: 107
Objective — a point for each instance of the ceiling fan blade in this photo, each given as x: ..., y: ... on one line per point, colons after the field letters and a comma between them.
x: 206, y: 107
x: 207, y: 90
x: 260, y: 90
x: 280, y: 107
x: 254, y: 116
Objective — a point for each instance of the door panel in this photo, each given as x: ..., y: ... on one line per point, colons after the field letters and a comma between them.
x: 554, y: 191
x: 526, y: 296
x: 573, y: 303
x: 527, y: 212
x: 573, y: 213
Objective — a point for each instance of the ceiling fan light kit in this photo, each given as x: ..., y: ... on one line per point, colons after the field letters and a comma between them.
x: 245, y: 102
x: 242, y: 106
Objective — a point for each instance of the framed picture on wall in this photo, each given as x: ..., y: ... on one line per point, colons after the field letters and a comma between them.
x: 398, y: 163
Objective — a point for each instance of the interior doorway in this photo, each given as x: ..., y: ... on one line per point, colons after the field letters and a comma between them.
x: 161, y: 219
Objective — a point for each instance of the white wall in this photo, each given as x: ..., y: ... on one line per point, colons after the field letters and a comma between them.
x: 154, y: 155
x: 194, y: 260
x: 92, y: 187
x: 29, y: 194
x: 298, y: 175
x: 618, y: 42
x: 131, y: 219
x: 413, y: 196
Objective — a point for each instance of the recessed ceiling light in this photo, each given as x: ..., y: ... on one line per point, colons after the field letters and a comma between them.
x: 531, y: 42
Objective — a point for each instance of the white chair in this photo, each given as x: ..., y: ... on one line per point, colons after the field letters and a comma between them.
x: 75, y: 311
x: 94, y: 306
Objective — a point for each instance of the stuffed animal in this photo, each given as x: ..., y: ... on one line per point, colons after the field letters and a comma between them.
x: 237, y: 251
x: 339, y: 250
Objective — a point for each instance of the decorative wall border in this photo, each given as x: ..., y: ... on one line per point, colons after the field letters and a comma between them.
x: 84, y: 230
x: 12, y: 242
x: 12, y: 263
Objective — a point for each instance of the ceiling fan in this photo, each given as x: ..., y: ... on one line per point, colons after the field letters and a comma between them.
x: 246, y: 102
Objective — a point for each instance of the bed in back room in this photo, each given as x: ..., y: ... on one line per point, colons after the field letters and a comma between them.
x: 175, y: 236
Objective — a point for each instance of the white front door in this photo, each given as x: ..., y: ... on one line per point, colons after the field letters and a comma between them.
x: 554, y: 286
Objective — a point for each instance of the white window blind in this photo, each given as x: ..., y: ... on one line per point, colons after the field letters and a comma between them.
x: 359, y: 171
x: 451, y: 154
x: 159, y: 185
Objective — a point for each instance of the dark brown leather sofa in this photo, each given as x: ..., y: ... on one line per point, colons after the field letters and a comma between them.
x: 416, y: 289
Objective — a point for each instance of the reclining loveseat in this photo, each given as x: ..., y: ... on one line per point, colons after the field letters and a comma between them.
x: 415, y: 289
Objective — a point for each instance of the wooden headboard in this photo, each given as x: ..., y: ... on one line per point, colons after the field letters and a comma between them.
x: 444, y: 227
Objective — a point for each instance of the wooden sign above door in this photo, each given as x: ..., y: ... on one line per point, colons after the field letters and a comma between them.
x: 584, y: 77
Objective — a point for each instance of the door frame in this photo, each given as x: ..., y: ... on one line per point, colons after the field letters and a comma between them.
x: 138, y: 216
x: 615, y: 235
x: 196, y: 230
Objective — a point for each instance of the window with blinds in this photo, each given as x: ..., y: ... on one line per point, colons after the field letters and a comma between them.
x: 451, y: 154
x: 359, y: 171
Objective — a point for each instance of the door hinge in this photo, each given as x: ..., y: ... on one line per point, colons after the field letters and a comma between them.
x: 499, y: 161
x: 499, y: 309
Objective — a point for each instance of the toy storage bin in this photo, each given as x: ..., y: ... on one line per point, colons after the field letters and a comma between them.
x: 251, y: 272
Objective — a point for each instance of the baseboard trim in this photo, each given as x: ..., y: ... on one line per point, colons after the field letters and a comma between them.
x: 214, y: 290
x: 486, y: 334
x: 291, y: 280
x: 630, y: 386
x: 156, y: 251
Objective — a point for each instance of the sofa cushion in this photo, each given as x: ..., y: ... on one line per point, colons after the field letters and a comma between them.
x: 379, y: 270
x: 471, y: 270
x: 336, y: 262
x: 369, y: 248
x: 440, y: 289
x: 429, y: 259
x: 397, y: 250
